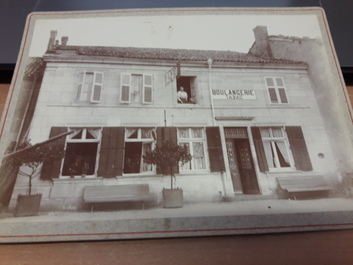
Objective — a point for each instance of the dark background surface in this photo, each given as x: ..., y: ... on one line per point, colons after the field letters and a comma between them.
x: 13, y: 15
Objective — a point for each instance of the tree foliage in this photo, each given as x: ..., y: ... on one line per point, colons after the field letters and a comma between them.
x: 33, y: 156
x: 167, y: 157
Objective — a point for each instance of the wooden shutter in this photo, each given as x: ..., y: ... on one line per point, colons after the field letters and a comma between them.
x: 97, y: 87
x: 125, y: 87
x: 147, y: 89
x: 51, y: 169
x: 259, y: 147
x: 215, y: 152
x: 111, y: 152
x: 298, y: 146
x: 80, y: 86
x: 166, y: 134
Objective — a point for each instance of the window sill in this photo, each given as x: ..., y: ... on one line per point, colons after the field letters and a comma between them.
x: 64, y: 179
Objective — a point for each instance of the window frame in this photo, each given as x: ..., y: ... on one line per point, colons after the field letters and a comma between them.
x: 81, y: 83
x: 272, y: 140
x: 140, y: 139
x: 276, y: 89
x: 190, y: 142
x: 83, y: 139
x: 128, y: 86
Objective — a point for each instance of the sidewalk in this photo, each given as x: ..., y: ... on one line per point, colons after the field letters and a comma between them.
x: 234, y: 208
x: 194, y: 219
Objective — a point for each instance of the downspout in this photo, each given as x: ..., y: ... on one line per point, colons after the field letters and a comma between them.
x: 25, y: 113
x: 209, y: 62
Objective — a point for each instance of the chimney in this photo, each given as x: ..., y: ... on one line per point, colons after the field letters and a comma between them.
x: 261, y: 46
x: 64, y: 41
x: 52, y: 38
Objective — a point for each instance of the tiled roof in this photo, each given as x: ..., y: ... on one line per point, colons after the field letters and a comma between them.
x: 34, y: 66
x: 161, y: 54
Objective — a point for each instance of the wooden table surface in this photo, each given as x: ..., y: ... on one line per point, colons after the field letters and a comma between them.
x: 326, y: 247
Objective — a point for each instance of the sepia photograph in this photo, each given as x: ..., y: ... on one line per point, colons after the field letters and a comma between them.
x: 148, y: 123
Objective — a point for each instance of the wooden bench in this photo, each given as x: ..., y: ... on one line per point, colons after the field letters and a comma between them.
x: 118, y: 193
x: 291, y: 187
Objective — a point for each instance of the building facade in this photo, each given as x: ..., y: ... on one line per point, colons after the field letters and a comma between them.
x: 245, y: 118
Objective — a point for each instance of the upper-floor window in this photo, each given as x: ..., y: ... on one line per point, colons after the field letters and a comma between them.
x: 186, y: 90
x: 194, y: 139
x: 90, y: 87
x: 136, y: 88
x: 276, y: 90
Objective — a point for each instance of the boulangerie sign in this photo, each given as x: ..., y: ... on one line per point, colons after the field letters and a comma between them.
x: 147, y: 123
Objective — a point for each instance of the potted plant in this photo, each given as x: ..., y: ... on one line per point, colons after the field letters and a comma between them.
x: 30, y: 163
x: 168, y: 156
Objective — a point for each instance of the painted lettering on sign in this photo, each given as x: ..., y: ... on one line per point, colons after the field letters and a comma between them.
x: 234, y: 94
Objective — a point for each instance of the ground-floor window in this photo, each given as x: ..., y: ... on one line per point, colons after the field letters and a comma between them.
x: 194, y: 139
x: 281, y: 148
x: 81, y: 152
x: 138, y: 141
x: 276, y: 147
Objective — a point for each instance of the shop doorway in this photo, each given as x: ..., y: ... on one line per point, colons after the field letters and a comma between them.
x: 240, y: 161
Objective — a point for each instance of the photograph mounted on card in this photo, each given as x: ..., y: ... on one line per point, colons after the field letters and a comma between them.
x: 124, y: 124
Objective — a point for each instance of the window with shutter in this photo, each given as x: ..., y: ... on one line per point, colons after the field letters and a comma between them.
x: 138, y: 141
x: 195, y: 140
x: 81, y: 152
x: 281, y: 148
x: 90, y: 87
x: 125, y: 87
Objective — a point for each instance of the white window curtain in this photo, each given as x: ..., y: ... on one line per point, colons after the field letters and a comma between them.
x: 94, y: 133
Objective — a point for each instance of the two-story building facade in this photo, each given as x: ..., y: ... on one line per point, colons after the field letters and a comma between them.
x: 245, y: 119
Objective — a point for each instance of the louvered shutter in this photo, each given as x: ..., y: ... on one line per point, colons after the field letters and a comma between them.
x: 259, y: 147
x: 80, y: 86
x: 147, y: 89
x: 111, y: 152
x: 125, y: 87
x: 166, y: 134
x: 215, y: 152
x: 51, y: 169
x: 97, y: 87
x: 298, y: 146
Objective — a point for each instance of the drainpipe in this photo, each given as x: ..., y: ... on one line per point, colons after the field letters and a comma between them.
x: 209, y: 62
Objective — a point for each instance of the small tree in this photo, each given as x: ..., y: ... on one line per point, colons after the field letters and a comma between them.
x: 168, y: 156
x: 33, y: 158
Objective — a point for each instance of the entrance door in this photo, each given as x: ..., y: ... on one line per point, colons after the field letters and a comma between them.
x: 240, y: 161
x: 246, y: 167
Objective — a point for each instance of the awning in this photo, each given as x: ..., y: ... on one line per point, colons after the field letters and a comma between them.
x: 49, y: 141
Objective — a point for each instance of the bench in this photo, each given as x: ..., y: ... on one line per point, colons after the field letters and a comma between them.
x: 292, y: 187
x: 118, y: 193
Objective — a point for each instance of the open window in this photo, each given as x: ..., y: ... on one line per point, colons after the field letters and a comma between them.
x: 138, y: 141
x: 136, y: 88
x: 81, y: 152
x: 195, y: 141
x: 186, y: 90
x: 90, y: 87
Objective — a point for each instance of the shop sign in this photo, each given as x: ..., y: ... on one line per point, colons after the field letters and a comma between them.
x: 234, y: 94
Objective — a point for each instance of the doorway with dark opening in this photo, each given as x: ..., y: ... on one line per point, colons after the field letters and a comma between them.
x: 240, y: 161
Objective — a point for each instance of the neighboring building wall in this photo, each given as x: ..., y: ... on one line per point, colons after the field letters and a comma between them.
x: 326, y: 86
